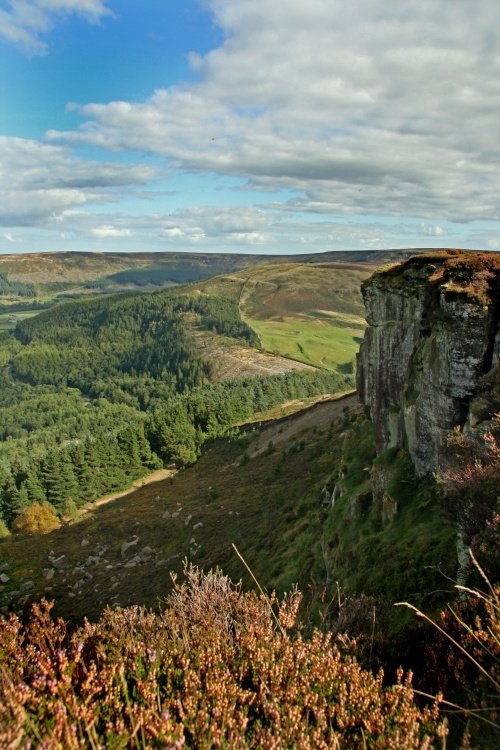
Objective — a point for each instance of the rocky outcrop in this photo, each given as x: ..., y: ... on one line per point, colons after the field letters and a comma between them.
x: 433, y: 334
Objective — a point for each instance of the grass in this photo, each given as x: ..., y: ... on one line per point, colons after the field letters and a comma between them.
x: 414, y: 551
x: 270, y: 508
x: 315, y: 341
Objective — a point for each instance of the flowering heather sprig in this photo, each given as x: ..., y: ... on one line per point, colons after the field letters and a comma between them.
x: 214, y: 670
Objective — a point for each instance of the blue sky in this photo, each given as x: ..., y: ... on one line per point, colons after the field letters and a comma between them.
x: 248, y: 126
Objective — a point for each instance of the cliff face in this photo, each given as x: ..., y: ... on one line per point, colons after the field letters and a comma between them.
x: 433, y: 334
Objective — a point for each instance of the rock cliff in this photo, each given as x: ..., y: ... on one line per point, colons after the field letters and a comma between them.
x: 433, y: 337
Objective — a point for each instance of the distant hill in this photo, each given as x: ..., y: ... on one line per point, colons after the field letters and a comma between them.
x: 59, y: 271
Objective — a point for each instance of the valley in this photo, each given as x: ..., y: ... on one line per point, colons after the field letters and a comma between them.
x: 226, y: 425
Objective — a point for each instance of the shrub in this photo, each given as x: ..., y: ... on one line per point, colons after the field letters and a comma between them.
x: 69, y: 511
x: 466, y: 655
x: 218, y: 669
x: 38, y: 518
x: 471, y: 482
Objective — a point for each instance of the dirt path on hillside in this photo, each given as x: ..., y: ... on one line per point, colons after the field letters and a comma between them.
x: 157, y: 476
x: 318, y: 415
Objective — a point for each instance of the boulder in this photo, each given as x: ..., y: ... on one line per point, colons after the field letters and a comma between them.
x: 127, y: 545
x: 60, y: 562
x: 145, y: 554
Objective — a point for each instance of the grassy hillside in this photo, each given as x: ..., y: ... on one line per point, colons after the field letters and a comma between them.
x: 267, y: 497
x: 50, y: 272
x: 309, y: 312
x: 42, y: 278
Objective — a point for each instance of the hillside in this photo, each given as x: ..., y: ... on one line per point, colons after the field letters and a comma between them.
x: 44, y: 275
x: 58, y: 271
x: 308, y: 312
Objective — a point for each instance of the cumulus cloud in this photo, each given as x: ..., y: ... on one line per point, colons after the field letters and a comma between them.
x: 39, y: 182
x: 24, y: 22
x: 105, y: 232
x: 368, y: 107
x: 233, y: 225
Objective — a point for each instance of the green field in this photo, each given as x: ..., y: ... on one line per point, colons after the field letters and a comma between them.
x: 316, y: 341
x: 7, y: 325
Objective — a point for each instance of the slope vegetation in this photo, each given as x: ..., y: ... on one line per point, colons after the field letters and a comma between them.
x: 309, y: 312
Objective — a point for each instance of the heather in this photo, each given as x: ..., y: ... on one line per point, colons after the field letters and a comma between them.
x: 217, y: 668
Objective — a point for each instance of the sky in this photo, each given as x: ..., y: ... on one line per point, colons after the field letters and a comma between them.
x: 249, y: 126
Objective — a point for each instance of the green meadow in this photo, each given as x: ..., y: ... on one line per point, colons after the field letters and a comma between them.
x: 320, y: 342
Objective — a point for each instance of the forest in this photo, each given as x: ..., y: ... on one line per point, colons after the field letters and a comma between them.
x: 10, y: 288
x: 96, y: 393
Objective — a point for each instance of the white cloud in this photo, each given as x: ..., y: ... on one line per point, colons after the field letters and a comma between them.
x: 431, y: 231
x: 10, y: 237
x: 26, y: 21
x: 105, y: 232
x: 39, y: 182
x: 233, y: 225
x: 369, y: 107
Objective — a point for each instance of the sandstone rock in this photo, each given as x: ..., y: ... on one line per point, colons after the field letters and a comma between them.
x: 60, y: 562
x: 325, y: 497
x: 433, y: 331
x: 127, y: 545
x: 188, y: 520
x: 145, y: 554
x: 337, y: 493
x: 4, y: 578
x: 359, y: 503
x: 389, y: 509
x: 26, y: 586
x: 198, y: 525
